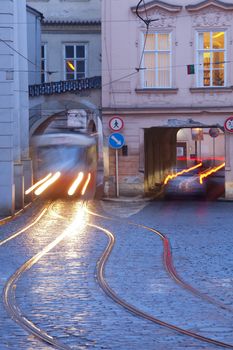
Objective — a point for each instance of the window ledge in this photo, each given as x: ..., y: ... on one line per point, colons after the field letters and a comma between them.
x: 157, y: 90
x: 211, y: 89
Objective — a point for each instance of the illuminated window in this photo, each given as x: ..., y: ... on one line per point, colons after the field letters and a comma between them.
x: 211, y: 58
x: 157, y: 60
x: 43, y: 63
x: 75, y: 61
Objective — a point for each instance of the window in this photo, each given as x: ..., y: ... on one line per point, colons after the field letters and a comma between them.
x: 157, y: 60
x: 43, y: 63
x: 211, y: 58
x: 75, y: 61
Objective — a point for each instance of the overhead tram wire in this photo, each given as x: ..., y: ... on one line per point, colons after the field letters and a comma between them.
x: 147, y: 22
x: 116, y: 69
x: 27, y: 59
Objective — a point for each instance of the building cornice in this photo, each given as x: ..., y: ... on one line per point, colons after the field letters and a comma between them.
x: 211, y: 89
x: 156, y: 4
x: 205, y: 4
x: 168, y: 110
x: 157, y: 90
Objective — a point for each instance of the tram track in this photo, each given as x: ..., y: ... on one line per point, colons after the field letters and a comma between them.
x: 24, y: 229
x: 168, y: 263
x: 10, y: 288
x: 134, y: 310
x: 131, y: 308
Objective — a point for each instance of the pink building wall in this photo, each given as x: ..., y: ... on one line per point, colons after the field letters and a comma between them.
x: 123, y: 95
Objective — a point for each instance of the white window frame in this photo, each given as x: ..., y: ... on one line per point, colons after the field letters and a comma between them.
x: 75, y: 58
x: 211, y: 65
x: 156, y: 51
x: 44, y: 59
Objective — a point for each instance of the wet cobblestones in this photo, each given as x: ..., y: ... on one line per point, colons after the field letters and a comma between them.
x: 60, y: 294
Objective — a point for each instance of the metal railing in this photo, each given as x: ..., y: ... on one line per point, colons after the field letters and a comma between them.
x: 63, y: 86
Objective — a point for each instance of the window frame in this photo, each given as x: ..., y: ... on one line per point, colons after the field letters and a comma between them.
x: 85, y: 59
x: 156, y: 51
x: 44, y: 59
x: 211, y: 50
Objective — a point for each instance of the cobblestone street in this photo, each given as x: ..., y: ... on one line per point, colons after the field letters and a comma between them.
x: 60, y: 293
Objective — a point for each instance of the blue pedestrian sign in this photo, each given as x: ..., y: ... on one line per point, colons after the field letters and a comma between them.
x: 116, y: 140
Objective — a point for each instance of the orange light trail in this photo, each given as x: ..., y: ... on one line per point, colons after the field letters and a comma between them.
x: 169, y: 177
x: 38, y: 183
x: 49, y: 182
x: 75, y: 184
x: 86, y: 184
x: 209, y: 172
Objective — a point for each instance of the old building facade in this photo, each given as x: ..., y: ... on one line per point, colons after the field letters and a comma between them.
x: 167, y: 70
x: 15, y: 163
x: 70, y: 62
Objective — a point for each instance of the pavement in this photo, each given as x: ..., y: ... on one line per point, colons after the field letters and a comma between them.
x: 66, y: 300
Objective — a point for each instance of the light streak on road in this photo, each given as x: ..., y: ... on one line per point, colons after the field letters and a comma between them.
x: 38, y: 183
x: 209, y: 172
x: 11, y: 285
x: 86, y: 184
x: 48, y: 183
x: 75, y: 184
x: 170, y: 177
x: 24, y: 229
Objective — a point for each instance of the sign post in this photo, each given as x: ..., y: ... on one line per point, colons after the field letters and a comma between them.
x: 116, y: 141
x: 214, y: 132
x: 197, y: 135
x: 117, y: 174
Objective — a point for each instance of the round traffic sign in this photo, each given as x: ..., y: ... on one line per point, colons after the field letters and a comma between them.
x: 116, y: 123
x: 116, y: 140
x: 214, y: 132
x: 228, y: 125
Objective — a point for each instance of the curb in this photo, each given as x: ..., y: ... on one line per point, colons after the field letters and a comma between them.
x: 16, y: 214
x: 127, y: 199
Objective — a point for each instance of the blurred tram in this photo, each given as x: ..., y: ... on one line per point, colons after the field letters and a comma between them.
x: 65, y: 164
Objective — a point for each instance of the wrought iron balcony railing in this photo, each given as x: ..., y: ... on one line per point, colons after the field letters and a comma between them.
x: 59, y: 87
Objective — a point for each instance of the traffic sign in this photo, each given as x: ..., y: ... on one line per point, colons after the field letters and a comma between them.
x: 214, y: 132
x: 116, y: 140
x: 228, y: 125
x: 116, y: 123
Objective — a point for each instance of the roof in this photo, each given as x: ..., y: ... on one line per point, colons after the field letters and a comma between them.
x: 71, y: 22
x: 35, y: 12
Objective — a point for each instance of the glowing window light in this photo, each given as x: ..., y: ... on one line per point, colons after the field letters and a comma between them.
x: 206, y: 55
x: 75, y: 184
x: 49, y: 182
x: 86, y: 184
x: 209, y: 172
x: 218, y: 34
x: 169, y: 177
x: 38, y: 183
x: 70, y: 65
